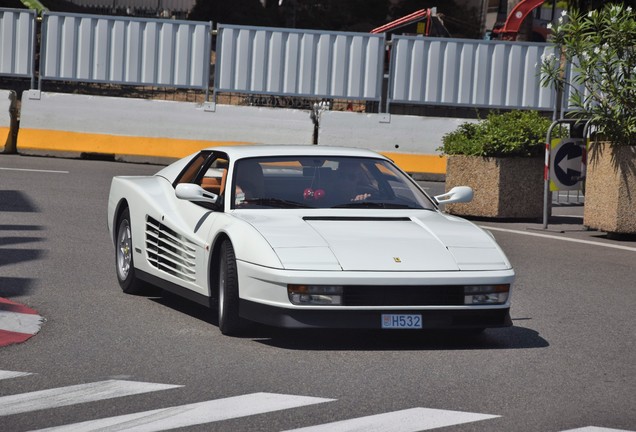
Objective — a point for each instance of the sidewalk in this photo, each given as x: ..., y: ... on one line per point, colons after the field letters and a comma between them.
x: 565, y: 221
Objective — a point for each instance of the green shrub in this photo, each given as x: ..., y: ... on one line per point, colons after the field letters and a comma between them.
x: 512, y: 134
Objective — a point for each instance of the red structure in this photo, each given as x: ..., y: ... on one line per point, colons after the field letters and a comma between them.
x: 433, y: 25
x: 515, y: 18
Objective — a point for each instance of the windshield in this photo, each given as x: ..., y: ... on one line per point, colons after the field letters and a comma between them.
x: 323, y: 182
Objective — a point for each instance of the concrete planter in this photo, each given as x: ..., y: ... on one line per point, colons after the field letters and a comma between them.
x: 610, y: 189
x: 505, y: 188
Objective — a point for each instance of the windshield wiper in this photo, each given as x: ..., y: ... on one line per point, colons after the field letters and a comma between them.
x: 276, y: 202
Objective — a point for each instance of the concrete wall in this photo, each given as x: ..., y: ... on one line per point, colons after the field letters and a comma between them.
x: 411, y: 141
x: 160, y: 131
x: 7, y: 101
x: 140, y: 129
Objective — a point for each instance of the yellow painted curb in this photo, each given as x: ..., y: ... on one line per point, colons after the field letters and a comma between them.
x: 77, y: 142
x: 419, y: 163
x: 4, y: 136
x: 63, y: 141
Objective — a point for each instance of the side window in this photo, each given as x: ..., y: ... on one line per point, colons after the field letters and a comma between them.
x: 190, y: 172
x: 214, y: 176
x: 208, y: 170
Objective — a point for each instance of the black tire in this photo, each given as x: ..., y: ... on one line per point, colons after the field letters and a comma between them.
x: 228, y: 292
x: 124, y: 263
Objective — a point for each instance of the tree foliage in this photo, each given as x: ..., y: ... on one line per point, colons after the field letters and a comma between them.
x: 600, y: 47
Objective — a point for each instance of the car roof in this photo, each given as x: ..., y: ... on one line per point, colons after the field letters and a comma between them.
x: 240, y: 151
x: 247, y: 151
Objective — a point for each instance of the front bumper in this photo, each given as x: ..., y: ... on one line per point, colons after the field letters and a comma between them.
x: 371, y: 319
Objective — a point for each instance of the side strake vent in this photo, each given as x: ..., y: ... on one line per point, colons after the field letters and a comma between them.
x: 169, y: 251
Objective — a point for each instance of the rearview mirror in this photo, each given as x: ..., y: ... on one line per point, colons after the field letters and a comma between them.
x: 458, y: 194
x: 194, y: 192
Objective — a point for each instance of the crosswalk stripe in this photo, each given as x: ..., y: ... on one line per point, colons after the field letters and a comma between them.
x: 11, y: 374
x: 71, y: 395
x: 409, y: 420
x: 193, y: 414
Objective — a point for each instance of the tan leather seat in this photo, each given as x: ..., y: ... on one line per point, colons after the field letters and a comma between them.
x: 215, y: 185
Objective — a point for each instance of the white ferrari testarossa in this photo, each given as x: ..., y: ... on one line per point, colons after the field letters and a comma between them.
x: 307, y: 236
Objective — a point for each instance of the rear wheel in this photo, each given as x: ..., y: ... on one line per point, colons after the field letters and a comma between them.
x: 228, y: 295
x: 128, y: 281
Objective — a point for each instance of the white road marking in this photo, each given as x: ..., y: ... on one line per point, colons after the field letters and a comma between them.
x: 11, y: 374
x: 34, y: 170
x: 553, y: 237
x: 20, y: 322
x: 193, y: 414
x: 595, y: 429
x: 409, y: 420
x: 71, y: 395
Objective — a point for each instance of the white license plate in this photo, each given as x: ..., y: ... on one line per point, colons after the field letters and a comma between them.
x: 401, y: 321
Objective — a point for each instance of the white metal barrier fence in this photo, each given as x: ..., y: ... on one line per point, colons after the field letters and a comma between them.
x: 299, y: 62
x: 269, y: 61
x: 121, y: 50
x: 17, y: 43
x: 458, y: 72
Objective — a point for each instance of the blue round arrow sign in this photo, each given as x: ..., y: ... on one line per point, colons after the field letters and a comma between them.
x: 567, y: 163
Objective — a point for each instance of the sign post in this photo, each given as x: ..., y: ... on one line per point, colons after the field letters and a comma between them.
x: 565, y: 162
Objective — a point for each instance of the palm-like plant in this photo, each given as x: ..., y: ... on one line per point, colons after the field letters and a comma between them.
x: 595, y: 64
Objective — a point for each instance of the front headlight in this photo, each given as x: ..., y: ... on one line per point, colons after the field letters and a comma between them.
x: 315, y: 294
x: 486, y: 294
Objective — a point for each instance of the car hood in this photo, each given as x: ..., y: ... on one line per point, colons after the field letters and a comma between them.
x: 415, y: 241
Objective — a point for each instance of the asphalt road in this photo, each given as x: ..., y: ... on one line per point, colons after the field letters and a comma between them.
x: 569, y: 361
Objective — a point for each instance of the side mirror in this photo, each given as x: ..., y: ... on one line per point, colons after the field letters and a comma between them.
x: 458, y: 194
x: 193, y: 192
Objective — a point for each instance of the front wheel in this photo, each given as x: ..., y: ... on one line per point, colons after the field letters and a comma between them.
x: 128, y: 281
x: 228, y: 293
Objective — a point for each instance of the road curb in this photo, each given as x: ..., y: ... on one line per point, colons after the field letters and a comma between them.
x: 18, y: 323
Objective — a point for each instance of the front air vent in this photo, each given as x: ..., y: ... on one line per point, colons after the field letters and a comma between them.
x: 373, y: 295
x: 169, y: 251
